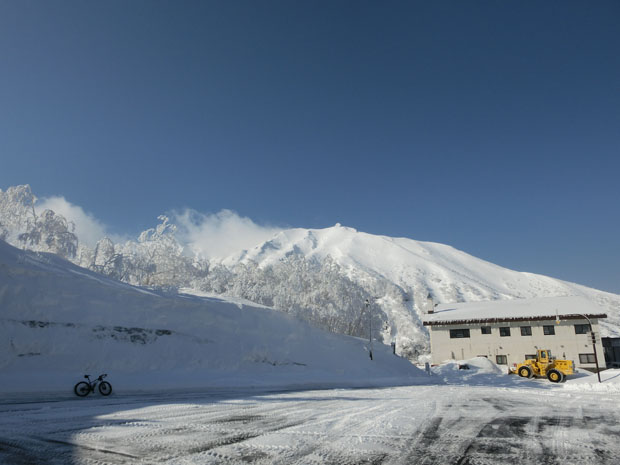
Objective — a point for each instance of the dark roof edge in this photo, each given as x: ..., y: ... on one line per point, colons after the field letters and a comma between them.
x: 520, y: 318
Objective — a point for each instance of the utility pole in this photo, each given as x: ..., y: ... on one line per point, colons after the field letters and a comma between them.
x: 369, y: 328
x: 598, y: 371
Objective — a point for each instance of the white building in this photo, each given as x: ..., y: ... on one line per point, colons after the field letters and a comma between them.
x: 509, y: 331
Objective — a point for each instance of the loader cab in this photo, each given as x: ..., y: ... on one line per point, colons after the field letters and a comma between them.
x: 544, y: 356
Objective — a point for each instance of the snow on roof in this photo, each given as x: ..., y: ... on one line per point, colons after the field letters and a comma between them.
x: 567, y: 307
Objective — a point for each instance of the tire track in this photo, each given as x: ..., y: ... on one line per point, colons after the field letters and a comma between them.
x: 439, y: 425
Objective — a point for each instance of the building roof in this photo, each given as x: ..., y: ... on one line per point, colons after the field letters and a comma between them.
x: 495, y: 311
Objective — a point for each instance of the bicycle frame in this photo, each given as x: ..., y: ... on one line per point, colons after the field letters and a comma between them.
x: 93, y: 383
x: 83, y: 388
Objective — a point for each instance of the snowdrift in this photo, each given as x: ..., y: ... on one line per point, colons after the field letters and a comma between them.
x: 588, y: 382
x: 59, y: 322
x: 480, y: 371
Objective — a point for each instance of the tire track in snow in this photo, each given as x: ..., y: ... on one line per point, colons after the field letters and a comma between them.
x: 438, y: 425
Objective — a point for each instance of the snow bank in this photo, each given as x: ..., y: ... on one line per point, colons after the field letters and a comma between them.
x: 59, y: 322
x: 480, y: 371
x: 588, y: 382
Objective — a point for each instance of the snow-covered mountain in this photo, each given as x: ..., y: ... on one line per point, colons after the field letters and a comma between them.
x: 59, y: 321
x: 323, y: 276
x: 401, y: 272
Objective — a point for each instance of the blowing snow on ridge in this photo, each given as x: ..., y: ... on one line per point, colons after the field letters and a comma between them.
x: 415, y: 269
x: 323, y: 276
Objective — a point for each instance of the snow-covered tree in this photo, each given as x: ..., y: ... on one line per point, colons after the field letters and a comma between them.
x: 313, y: 290
x: 17, y: 213
x: 21, y: 226
x: 316, y: 290
x: 155, y: 260
x: 51, y: 233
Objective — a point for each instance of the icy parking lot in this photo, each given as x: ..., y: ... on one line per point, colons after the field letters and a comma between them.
x: 404, y: 425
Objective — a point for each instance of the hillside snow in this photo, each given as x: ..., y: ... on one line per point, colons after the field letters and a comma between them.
x: 59, y: 321
x: 323, y: 276
x: 415, y: 269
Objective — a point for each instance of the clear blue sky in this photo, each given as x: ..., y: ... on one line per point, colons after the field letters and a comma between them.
x: 492, y: 126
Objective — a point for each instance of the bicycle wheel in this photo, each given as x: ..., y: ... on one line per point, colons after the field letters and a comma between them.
x: 81, y: 389
x: 105, y: 388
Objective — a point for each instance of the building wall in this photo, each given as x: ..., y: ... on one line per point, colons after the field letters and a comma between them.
x: 564, y: 344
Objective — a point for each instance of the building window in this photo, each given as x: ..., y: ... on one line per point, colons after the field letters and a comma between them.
x: 459, y: 333
x: 582, y: 329
x: 501, y: 359
x: 586, y: 358
x: 530, y: 357
x: 485, y: 329
x: 549, y: 330
x: 482, y: 356
x: 504, y: 331
x: 526, y: 330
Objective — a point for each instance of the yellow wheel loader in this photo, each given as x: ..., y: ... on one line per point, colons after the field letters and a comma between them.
x: 545, y: 364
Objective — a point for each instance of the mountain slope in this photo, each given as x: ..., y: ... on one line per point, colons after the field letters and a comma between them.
x: 322, y: 276
x: 414, y: 269
x: 59, y: 321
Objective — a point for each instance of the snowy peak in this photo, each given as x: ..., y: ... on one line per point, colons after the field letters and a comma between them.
x: 321, y: 275
x: 416, y: 268
x: 399, y: 260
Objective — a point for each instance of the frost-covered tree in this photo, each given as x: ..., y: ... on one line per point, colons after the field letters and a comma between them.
x: 51, y: 233
x: 17, y: 213
x: 21, y: 226
x: 163, y: 252
x: 155, y: 260
x: 314, y: 290
x: 106, y: 260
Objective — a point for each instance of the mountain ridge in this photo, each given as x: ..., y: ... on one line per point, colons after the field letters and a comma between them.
x: 418, y: 268
x: 323, y: 276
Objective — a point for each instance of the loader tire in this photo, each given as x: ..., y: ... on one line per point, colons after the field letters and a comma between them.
x: 525, y: 372
x: 554, y: 376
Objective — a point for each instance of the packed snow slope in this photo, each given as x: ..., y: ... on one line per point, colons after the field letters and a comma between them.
x: 59, y: 321
x: 401, y: 273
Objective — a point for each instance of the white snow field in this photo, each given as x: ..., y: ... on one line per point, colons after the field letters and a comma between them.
x: 201, y: 380
x: 527, y: 423
x: 59, y: 322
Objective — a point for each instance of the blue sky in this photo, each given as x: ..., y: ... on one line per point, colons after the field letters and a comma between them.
x: 490, y: 126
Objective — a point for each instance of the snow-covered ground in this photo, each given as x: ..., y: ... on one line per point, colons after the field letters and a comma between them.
x: 480, y: 371
x: 201, y: 379
x: 467, y: 416
x: 444, y: 424
x: 59, y: 321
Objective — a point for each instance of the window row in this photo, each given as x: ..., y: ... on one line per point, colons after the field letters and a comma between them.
x: 504, y: 331
x: 503, y: 359
x: 587, y: 358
